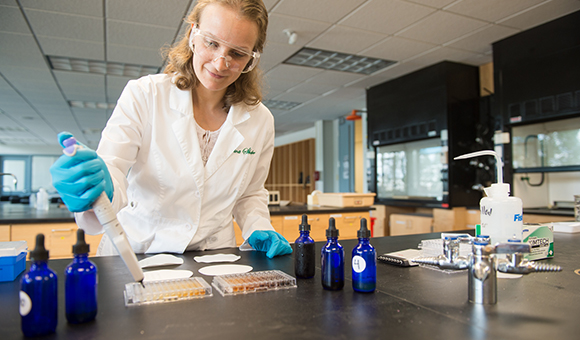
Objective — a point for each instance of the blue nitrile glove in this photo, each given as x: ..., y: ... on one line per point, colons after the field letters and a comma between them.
x: 80, y: 178
x: 269, y: 241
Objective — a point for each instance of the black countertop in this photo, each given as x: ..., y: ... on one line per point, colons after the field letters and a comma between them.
x: 11, y: 213
x: 409, y: 303
x: 548, y: 211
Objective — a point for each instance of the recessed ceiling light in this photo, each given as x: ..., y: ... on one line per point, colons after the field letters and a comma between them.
x: 100, y: 67
x: 337, y: 61
x: 91, y: 105
x: 280, y: 104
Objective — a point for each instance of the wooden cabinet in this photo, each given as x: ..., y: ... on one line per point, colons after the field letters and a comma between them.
x: 276, y: 222
x: 292, y: 171
x: 287, y: 225
x: 4, y: 233
x: 318, y: 224
x: 58, y: 237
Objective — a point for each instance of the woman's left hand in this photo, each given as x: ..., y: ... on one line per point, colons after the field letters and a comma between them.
x: 271, y: 242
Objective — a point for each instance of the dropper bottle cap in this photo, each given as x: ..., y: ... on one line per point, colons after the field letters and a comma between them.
x: 39, y: 253
x: 331, y: 231
x: 304, y: 226
x: 81, y: 247
x: 363, y: 232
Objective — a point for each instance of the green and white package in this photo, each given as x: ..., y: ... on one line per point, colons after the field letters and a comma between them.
x: 540, y: 237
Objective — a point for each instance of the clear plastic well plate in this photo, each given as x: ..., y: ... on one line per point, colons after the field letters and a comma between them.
x: 166, y: 291
x: 253, y: 282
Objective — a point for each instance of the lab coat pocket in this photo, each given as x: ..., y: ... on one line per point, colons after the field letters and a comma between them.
x: 149, y: 232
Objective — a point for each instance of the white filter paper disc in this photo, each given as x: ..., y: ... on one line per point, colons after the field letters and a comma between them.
x: 217, y: 258
x: 166, y: 274
x: 224, y: 269
x: 160, y: 260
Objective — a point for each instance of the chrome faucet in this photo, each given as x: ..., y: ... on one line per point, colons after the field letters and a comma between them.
x: 9, y: 174
x: 483, y: 264
x: 450, y: 259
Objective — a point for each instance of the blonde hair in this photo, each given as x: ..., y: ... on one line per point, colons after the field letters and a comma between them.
x: 247, y: 88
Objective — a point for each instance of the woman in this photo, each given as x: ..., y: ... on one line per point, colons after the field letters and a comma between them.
x: 185, y: 150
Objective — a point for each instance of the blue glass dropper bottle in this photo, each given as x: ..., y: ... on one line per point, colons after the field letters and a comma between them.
x: 364, y: 262
x: 39, y: 294
x: 304, y: 252
x: 80, y: 288
x: 332, y: 260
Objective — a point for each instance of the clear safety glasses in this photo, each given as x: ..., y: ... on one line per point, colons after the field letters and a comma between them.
x: 209, y: 47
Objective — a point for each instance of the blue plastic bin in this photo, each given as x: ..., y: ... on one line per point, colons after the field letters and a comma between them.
x: 12, y: 260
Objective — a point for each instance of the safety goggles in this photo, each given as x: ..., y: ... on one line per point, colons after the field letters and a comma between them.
x: 209, y: 47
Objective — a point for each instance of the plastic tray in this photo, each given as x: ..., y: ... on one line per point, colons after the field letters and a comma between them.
x: 253, y: 282
x: 166, y: 291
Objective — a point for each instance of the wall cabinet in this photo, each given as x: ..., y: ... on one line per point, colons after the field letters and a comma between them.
x: 58, y: 238
x: 292, y: 171
x: 4, y: 233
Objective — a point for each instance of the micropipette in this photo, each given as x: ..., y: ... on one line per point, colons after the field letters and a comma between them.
x: 108, y: 219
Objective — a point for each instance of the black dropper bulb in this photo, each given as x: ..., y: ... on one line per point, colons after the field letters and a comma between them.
x: 363, y: 232
x: 39, y: 253
x: 331, y: 231
x: 81, y: 247
x: 304, y: 226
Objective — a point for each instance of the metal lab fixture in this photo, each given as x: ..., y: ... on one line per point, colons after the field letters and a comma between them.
x: 484, y: 262
x: 9, y: 174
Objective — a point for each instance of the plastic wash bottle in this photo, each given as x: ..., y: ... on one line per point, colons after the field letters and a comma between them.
x: 39, y: 294
x: 304, y: 252
x: 332, y: 260
x: 80, y: 286
x: 364, y: 262
x: 501, y: 214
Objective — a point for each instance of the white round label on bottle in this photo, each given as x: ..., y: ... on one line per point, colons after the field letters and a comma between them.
x: 358, y: 264
x: 25, y: 303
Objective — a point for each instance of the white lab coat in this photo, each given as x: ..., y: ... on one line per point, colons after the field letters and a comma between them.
x: 166, y: 200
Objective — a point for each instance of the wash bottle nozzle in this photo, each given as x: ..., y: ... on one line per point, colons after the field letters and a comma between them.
x: 498, y: 162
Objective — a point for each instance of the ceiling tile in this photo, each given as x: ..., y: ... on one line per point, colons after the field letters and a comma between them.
x: 441, y: 27
x: 443, y: 53
x: 275, y: 54
x: 84, y: 7
x: 62, y: 25
x: 138, y: 35
x: 167, y: 13
x: 296, y: 97
x: 287, y: 76
x: 82, y: 86
x: 387, y: 16
x: 11, y: 20
x: 134, y: 55
x: 23, y: 51
x: 81, y: 49
x: 481, y: 40
x: 547, y: 11
x: 346, y: 40
x: 317, y: 10
x: 305, y: 29
x: 490, y: 10
x: 434, y: 3
x: 314, y: 88
x: 397, y: 49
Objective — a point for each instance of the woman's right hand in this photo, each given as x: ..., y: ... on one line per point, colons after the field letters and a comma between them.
x: 80, y: 178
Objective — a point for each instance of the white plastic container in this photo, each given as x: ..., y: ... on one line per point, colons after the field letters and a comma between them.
x: 42, y: 199
x: 501, y: 214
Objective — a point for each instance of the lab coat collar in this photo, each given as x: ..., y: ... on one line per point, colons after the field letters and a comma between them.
x: 229, y: 138
x: 180, y: 100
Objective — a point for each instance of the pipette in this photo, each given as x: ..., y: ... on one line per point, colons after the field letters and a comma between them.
x: 108, y: 219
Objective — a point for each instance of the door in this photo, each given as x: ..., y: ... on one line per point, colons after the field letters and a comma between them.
x: 346, y: 156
